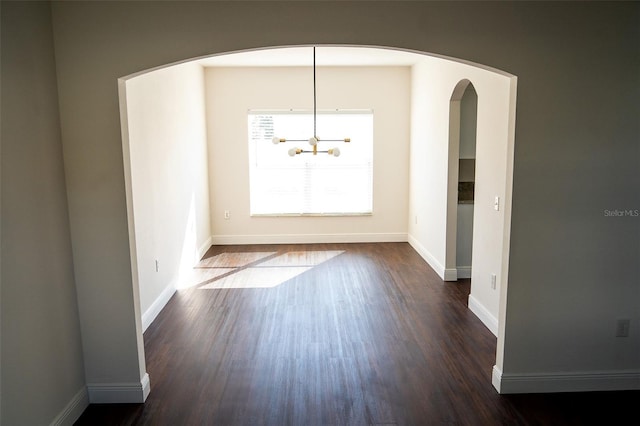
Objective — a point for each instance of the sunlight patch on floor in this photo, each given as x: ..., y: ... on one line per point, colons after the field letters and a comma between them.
x: 197, y: 276
x: 257, y: 278
x: 233, y: 260
x: 301, y: 258
x: 268, y: 273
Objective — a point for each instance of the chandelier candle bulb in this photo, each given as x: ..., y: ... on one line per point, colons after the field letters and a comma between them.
x: 335, y: 152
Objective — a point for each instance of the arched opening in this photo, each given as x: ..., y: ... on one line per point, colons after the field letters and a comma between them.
x: 461, y: 180
x: 462, y: 166
x: 425, y: 142
x: 466, y: 181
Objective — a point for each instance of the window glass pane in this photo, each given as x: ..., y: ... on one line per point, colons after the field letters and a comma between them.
x: 307, y: 183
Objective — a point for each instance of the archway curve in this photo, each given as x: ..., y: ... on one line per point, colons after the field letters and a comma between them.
x: 437, y: 261
x: 270, y: 49
x: 459, y: 90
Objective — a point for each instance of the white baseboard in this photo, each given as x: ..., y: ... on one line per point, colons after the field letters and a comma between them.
x: 204, y: 247
x: 496, y: 378
x: 155, y: 308
x: 309, y: 238
x: 119, y: 393
x: 483, y: 314
x: 73, y: 409
x: 451, y: 274
x: 428, y: 257
x: 464, y: 271
x: 585, y: 381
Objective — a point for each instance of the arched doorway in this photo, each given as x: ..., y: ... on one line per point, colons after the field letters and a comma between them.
x: 461, y: 180
x: 436, y: 251
x: 462, y: 159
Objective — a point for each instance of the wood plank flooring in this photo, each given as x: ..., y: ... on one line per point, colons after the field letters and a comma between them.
x: 370, y: 336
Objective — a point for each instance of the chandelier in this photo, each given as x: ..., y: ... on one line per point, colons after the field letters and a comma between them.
x: 313, y: 140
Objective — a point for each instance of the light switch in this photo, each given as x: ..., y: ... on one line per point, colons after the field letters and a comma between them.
x: 496, y: 203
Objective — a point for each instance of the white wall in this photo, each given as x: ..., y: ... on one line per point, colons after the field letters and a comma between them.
x: 431, y: 204
x: 42, y: 363
x: 231, y: 92
x: 572, y: 271
x: 169, y: 179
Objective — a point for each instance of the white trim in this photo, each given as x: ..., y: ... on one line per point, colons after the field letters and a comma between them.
x: 73, y: 410
x: 484, y: 315
x: 464, y: 271
x: 496, y: 378
x: 308, y: 238
x: 157, y: 306
x: 204, y: 247
x: 580, y: 381
x: 451, y: 274
x: 119, y: 393
x: 428, y: 257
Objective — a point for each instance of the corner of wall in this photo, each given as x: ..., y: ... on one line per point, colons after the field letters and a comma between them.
x: 74, y: 409
x: 483, y: 314
x: 202, y: 250
x: 119, y: 393
x: 150, y: 314
x: 427, y: 256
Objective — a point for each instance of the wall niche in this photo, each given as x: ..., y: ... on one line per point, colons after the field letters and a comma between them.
x: 466, y: 180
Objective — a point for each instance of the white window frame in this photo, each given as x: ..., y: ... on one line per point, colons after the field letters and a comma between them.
x: 307, y: 163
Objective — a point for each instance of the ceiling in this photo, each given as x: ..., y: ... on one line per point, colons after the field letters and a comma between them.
x: 303, y: 56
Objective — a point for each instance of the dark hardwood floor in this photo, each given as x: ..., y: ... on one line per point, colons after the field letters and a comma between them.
x: 369, y: 337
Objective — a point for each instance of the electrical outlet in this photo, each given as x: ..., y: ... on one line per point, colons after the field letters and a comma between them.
x: 493, y: 281
x: 622, y: 327
x: 227, y: 215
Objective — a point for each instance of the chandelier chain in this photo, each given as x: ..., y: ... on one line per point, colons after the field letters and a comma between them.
x: 315, y: 135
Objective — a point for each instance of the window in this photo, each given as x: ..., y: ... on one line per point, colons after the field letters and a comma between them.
x: 311, y: 184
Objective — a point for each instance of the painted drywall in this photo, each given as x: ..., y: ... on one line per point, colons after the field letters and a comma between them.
x: 42, y: 364
x: 468, y: 122
x: 572, y: 270
x: 169, y: 179
x: 232, y: 92
x: 464, y: 239
x: 432, y: 202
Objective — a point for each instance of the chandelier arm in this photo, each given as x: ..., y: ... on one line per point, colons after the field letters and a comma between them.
x: 313, y: 140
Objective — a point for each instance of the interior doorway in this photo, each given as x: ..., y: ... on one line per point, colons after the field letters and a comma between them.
x: 466, y: 180
x: 431, y: 81
x: 463, y: 118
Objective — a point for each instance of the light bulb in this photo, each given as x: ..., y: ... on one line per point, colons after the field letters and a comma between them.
x: 275, y: 140
x: 336, y: 152
x: 293, y: 152
x: 313, y: 140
